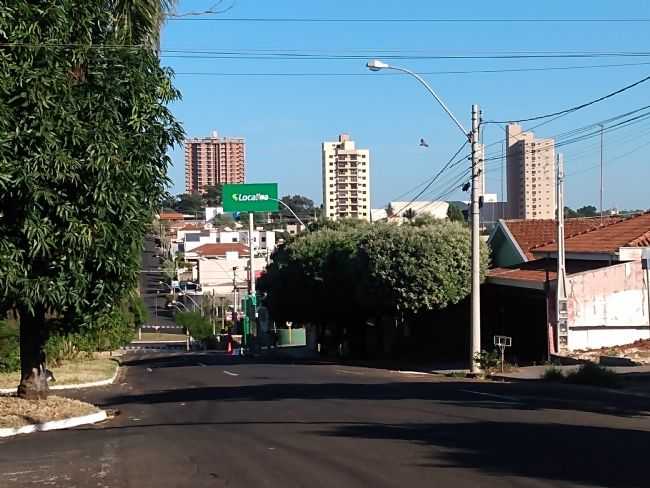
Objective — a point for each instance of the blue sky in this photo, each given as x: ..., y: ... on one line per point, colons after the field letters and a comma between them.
x: 285, y: 118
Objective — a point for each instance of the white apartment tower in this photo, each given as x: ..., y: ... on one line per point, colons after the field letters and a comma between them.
x: 531, y: 175
x: 346, y: 180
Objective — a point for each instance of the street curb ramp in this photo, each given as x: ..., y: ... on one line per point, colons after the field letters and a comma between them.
x: 92, y: 418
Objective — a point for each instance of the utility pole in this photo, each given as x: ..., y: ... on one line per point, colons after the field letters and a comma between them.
x: 476, y: 248
x: 234, y: 294
x: 251, y: 258
x: 561, y: 298
x: 601, y: 173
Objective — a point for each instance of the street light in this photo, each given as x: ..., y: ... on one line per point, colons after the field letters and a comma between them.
x: 473, y: 138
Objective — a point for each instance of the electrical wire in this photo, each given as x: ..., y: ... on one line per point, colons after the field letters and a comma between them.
x: 345, y: 20
x: 577, y: 107
x: 392, y: 74
x: 434, y: 178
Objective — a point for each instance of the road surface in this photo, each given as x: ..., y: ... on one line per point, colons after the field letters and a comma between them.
x: 216, y: 421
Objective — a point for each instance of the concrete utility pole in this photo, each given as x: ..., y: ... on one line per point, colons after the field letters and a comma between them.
x: 561, y: 298
x: 601, y: 173
x: 476, y: 244
x: 473, y: 138
x: 251, y: 252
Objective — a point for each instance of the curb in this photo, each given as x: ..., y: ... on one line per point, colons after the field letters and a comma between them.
x: 92, y: 418
x: 108, y: 381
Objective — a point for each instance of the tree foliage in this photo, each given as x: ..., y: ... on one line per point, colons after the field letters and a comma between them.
x: 455, y: 214
x: 190, y: 203
x: 343, y: 271
x: 83, y: 164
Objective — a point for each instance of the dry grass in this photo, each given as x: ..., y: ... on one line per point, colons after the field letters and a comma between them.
x: 16, y: 412
x: 154, y: 337
x: 71, y: 372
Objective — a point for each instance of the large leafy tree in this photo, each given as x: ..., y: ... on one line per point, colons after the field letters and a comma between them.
x: 84, y: 131
x: 343, y: 272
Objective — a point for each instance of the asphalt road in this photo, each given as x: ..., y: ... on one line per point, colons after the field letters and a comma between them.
x: 215, y: 421
x: 153, y: 293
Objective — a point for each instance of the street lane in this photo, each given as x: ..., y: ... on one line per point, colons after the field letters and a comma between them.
x: 184, y: 421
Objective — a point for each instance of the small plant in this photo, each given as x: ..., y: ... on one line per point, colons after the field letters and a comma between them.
x: 200, y: 328
x: 553, y: 374
x: 9, y: 348
x: 488, y: 361
x: 595, y: 375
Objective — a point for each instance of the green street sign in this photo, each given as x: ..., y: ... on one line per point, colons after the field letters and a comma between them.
x: 253, y: 197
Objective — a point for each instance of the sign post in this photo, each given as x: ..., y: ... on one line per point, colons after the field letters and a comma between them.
x: 250, y: 198
x: 502, y: 342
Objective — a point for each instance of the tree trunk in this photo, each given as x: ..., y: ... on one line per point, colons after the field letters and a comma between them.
x: 33, y: 378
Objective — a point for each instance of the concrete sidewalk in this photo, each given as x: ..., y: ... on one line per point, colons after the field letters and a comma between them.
x: 537, y: 372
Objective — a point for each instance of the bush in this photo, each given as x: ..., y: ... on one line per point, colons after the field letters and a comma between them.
x: 488, y: 360
x: 200, y: 328
x: 595, y: 375
x: 553, y: 374
x: 9, y: 348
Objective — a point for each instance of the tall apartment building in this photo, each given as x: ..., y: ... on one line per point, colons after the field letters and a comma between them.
x: 346, y: 180
x: 531, y: 175
x: 213, y: 160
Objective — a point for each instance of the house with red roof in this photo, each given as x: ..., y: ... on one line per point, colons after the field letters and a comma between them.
x: 607, y: 283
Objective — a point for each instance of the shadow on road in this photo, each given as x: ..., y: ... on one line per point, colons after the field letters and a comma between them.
x: 582, y: 454
x: 489, y: 395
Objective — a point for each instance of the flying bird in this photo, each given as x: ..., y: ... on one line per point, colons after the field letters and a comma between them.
x: 423, y: 143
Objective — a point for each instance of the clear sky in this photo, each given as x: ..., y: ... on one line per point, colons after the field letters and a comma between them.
x: 285, y: 118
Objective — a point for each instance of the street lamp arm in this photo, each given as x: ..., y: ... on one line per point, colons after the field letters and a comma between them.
x: 430, y: 90
x: 290, y: 210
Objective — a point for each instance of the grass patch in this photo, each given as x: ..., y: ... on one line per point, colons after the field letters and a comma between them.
x: 594, y: 375
x: 71, y: 372
x: 16, y: 412
x: 154, y: 337
x: 553, y: 374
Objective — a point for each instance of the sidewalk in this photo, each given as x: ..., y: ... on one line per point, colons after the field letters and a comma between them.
x: 536, y: 372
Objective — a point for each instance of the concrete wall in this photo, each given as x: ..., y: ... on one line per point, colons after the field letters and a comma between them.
x: 215, y: 275
x: 608, y: 306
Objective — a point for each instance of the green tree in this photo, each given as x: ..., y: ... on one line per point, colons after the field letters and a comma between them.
x: 569, y: 213
x: 587, y: 211
x: 190, y: 203
x: 347, y: 274
x: 83, y: 165
x: 139, y: 21
x: 455, y: 214
x: 409, y: 214
x: 213, y: 195
x: 424, y: 220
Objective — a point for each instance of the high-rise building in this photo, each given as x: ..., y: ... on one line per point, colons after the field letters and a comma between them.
x: 346, y: 180
x: 212, y: 161
x: 531, y: 175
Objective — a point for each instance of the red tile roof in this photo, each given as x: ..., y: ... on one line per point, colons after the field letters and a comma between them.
x: 630, y: 232
x: 221, y: 249
x: 535, y: 271
x: 192, y: 227
x: 170, y: 216
x: 530, y: 234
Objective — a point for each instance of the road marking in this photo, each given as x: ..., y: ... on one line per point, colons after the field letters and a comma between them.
x: 421, y: 373
x: 347, y: 371
x: 229, y: 373
x: 500, y: 397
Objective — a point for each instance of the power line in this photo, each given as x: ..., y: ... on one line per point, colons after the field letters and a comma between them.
x: 577, y: 107
x: 289, y: 55
x: 390, y: 74
x: 344, y: 20
x: 574, y: 138
x: 435, y: 177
